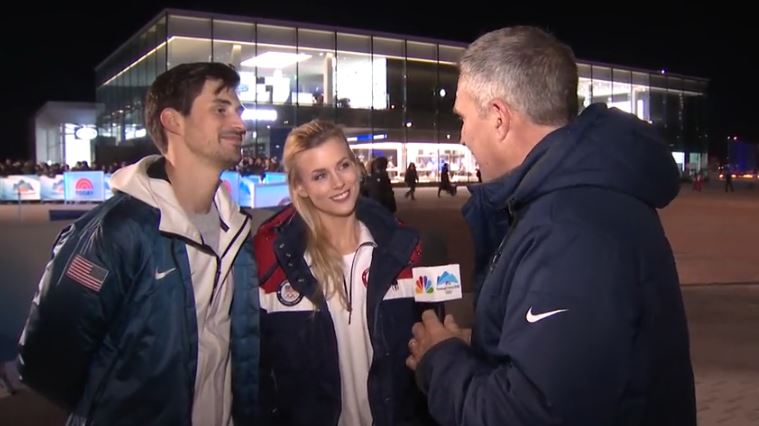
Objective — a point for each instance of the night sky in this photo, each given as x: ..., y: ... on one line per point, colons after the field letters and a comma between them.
x: 50, y: 54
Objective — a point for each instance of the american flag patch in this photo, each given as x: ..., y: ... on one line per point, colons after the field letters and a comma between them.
x: 86, y: 273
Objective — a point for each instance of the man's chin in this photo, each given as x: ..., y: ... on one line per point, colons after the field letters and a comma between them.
x: 230, y: 162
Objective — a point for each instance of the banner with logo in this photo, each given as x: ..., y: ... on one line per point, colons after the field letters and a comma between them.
x: 107, y: 185
x: 21, y: 187
x: 52, y: 188
x: 270, y: 195
x: 275, y: 177
x: 247, y: 184
x: 84, y: 186
x: 2, y: 188
x: 231, y: 180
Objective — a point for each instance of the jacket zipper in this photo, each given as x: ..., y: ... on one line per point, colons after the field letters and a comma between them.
x: 513, y: 219
x: 217, y: 275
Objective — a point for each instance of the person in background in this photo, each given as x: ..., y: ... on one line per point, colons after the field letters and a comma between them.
x: 411, y: 178
x: 379, y: 186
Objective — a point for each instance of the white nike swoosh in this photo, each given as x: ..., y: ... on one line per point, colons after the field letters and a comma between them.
x: 535, y: 318
x: 161, y: 275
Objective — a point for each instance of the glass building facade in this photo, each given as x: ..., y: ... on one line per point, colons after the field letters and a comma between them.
x: 392, y: 94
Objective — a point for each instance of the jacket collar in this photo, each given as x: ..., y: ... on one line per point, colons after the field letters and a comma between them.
x: 147, y: 181
x: 395, y: 244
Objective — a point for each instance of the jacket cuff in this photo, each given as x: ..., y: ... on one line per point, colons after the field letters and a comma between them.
x: 426, y: 365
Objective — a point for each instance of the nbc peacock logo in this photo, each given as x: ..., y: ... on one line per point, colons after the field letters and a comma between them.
x: 424, y: 285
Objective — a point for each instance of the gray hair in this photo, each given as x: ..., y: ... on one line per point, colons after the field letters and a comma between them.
x: 527, y: 68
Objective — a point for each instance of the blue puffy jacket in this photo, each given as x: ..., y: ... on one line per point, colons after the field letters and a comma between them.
x: 579, y: 318
x: 118, y: 344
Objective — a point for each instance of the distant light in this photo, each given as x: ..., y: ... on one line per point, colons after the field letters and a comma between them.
x: 253, y: 114
x: 141, y: 133
x: 442, y: 93
x: 663, y: 71
x: 275, y: 60
x: 448, y: 136
x: 409, y: 124
x: 85, y: 133
x: 367, y: 137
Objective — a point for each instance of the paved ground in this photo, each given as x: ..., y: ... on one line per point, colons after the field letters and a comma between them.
x: 714, y: 236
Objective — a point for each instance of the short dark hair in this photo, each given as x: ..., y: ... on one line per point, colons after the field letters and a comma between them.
x: 177, y: 88
x: 380, y: 164
x: 528, y: 68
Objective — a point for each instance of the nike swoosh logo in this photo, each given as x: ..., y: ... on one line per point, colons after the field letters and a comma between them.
x: 535, y: 318
x: 161, y: 275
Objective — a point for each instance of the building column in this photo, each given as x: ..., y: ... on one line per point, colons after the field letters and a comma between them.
x: 329, y: 79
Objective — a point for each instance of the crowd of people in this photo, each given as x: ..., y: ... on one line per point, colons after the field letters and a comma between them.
x: 19, y: 167
x: 247, y: 166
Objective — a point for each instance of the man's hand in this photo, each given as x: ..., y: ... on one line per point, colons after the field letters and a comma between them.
x: 429, y: 333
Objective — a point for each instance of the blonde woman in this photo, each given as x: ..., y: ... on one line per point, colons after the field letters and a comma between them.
x: 337, y: 296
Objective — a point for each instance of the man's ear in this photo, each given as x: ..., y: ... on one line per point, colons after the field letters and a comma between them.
x: 502, y: 115
x: 171, y: 120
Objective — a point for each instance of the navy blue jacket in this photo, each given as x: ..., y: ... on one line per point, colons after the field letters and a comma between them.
x: 579, y: 318
x: 299, y: 357
x: 126, y: 353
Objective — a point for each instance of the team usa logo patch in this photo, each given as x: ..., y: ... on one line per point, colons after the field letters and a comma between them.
x: 287, y: 295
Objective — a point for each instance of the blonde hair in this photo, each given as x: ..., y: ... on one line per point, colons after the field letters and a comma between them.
x: 326, y: 262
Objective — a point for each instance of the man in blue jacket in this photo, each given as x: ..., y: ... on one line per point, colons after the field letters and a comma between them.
x: 147, y: 313
x: 579, y: 318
